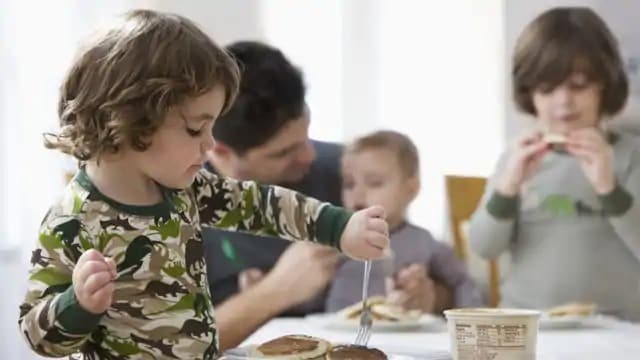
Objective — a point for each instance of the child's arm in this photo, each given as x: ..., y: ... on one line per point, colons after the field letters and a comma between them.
x: 617, y: 191
x: 267, y: 210
x: 492, y: 226
x: 622, y: 206
x: 51, y: 318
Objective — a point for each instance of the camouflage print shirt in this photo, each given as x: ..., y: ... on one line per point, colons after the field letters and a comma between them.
x: 161, y: 306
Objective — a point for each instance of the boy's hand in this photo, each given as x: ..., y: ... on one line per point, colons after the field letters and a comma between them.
x: 366, y: 235
x: 412, y: 289
x: 93, y: 278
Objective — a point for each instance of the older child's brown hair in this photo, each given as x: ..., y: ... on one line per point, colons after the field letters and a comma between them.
x: 562, y: 41
x: 124, y: 81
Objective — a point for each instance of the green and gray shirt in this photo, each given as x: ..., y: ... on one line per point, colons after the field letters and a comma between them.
x: 566, y: 242
x: 161, y: 305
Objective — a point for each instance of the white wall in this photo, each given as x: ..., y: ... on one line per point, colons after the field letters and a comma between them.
x: 442, y: 76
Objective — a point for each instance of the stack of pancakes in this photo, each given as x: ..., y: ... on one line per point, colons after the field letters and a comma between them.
x: 302, y: 347
x: 380, y: 310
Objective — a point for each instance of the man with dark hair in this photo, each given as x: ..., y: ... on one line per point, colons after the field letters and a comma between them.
x: 264, y: 137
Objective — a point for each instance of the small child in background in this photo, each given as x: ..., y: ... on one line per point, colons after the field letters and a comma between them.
x: 383, y: 169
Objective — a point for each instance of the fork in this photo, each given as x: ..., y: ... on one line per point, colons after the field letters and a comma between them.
x: 364, y: 332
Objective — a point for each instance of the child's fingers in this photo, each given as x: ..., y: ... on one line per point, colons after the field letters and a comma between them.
x: 376, y: 211
x: 377, y: 240
x: 530, y: 151
x: 411, y: 274
x: 90, y: 267
x: 378, y: 225
x: 398, y: 297
x: 90, y: 255
x: 582, y: 153
x: 104, y: 293
x: 97, y: 281
x: 111, y: 264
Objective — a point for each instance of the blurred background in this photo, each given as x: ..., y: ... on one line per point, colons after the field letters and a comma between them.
x: 438, y: 71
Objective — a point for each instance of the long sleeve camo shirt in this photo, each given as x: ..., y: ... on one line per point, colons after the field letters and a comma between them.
x: 161, y: 306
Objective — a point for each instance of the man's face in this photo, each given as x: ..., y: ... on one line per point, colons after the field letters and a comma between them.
x: 285, y: 158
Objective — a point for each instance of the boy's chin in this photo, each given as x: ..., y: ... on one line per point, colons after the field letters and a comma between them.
x: 178, y: 184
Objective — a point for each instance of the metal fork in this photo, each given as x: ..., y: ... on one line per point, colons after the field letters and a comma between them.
x: 364, y: 332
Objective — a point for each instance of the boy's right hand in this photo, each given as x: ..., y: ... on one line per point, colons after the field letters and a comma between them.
x: 523, y: 160
x: 93, y: 278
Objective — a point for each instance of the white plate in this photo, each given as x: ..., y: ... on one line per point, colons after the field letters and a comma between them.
x: 242, y: 354
x: 336, y: 322
x: 563, y: 322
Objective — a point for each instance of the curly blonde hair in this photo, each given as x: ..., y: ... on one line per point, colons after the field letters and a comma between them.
x: 124, y: 81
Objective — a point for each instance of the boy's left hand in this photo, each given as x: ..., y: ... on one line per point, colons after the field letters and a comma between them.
x: 366, y: 235
x: 595, y: 156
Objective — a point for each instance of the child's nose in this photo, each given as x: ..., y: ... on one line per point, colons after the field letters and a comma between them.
x: 562, y: 95
x: 207, y: 143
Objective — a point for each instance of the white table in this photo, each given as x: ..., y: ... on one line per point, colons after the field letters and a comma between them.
x: 603, y: 338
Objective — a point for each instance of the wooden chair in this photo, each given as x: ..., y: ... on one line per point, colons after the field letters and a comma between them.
x: 464, y: 194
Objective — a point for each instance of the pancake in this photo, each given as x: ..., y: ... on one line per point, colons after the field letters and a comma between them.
x: 292, y: 347
x: 555, y: 141
x: 355, y: 352
x: 553, y: 138
x: 393, y: 313
x: 353, y: 311
x: 380, y: 310
x: 573, y: 309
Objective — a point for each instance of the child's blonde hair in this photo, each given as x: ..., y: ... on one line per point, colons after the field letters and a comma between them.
x: 124, y: 81
x: 399, y: 144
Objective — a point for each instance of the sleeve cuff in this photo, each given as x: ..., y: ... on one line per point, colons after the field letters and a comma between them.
x: 503, y: 207
x: 331, y: 223
x: 617, y: 202
x: 72, y: 317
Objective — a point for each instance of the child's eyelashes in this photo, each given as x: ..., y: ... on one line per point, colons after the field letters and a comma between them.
x: 194, y: 132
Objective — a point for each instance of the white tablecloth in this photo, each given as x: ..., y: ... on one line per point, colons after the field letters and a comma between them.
x: 602, y: 338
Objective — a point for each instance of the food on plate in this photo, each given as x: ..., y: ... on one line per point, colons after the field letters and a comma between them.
x: 303, y: 347
x: 355, y: 352
x: 573, y: 309
x: 380, y: 310
x: 292, y: 347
